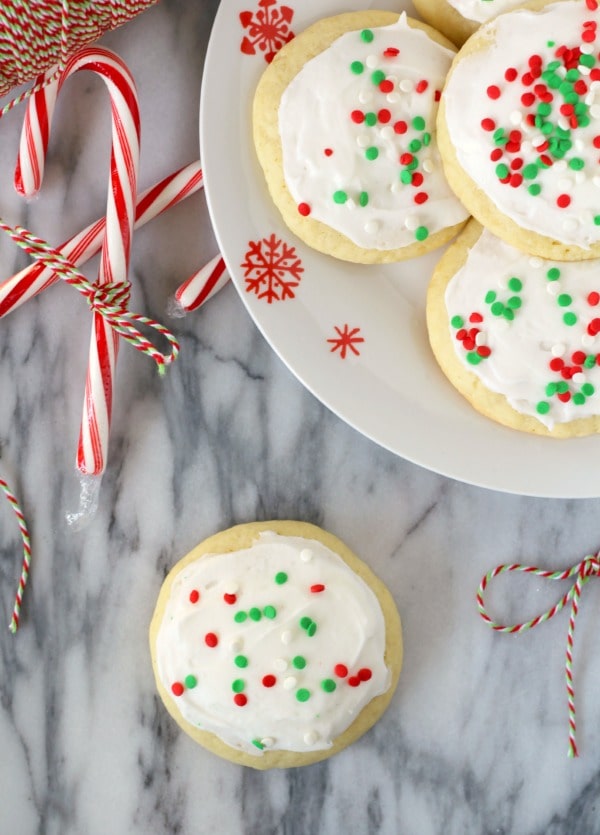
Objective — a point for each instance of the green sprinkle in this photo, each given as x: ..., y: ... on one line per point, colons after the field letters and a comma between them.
x: 426, y: 139
x: 418, y: 123
x: 514, y: 302
x: 281, y: 578
x: 372, y: 153
x: 312, y: 629
x: 357, y: 67
x: 367, y: 35
x: 544, y: 109
x: 338, y: 197
x: 421, y: 233
x: 562, y: 387
x: 490, y: 296
x: 587, y: 60
x: 564, y: 300
x: 363, y: 198
x: 497, y: 309
x: 328, y: 685
x: 550, y: 43
x: 254, y: 613
x: 597, y: 220
x: 190, y: 682
x: 270, y: 612
x: 406, y: 177
x: 579, y: 399
x: 576, y: 163
x: 534, y: 189
x: 553, y: 274
x: 508, y: 314
x: 530, y: 171
x: 370, y: 119
x: 543, y: 407
x: 240, y: 661
x: 305, y: 622
x: 569, y: 318
x: 457, y: 322
x: 258, y: 744
x: 377, y: 77
x: 303, y: 695
x: 588, y: 389
x: 414, y: 146
x: 299, y: 662
x: 240, y: 617
x: 473, y: 358
x: 551, y: 389
x: 502, y: 171
x: 515, y: 284
x: 237, y: 685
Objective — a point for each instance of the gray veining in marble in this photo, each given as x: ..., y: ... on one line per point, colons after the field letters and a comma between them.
x: 475, y: 739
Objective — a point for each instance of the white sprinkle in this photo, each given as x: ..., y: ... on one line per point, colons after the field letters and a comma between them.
x: 306, y: 555
x: 280, y: 665
x: 563, y: 123
x: 538, y: 140
x: 560, y: 165
x: 411, y: 222
x: 236, y: 645
x: 570, y: 224
x: 596, y: 181
x: 516, y: 117
x: 535, y: 262
x: 587, y: 340
x: 578, y: 378
x: 396, y: 187
x: 481, y: 338
x: 267, y: 741
x: 393, y: 98
x: 310, y: 737
x: 584, y: 70
x: 586, y: 48
x: 579, y: 145
x: 595, y: 110
x: 393, y: 79
x: 371, y: 227
x: 371, y: 61
x: 552, y: 288
x: 580, y: 177
x: 363, y: 140
x: 565, y: 184
x: 406, y: 85
x: 428, y: 166
x: 365, y: 96
x: 558, y: 350
x: 290, y: 682
x: 350, y: 203
x: 286, y: 636
x: 387, y: 133
x: 233, y: 588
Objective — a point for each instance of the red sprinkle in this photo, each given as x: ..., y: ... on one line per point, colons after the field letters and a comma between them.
x: 421, y: 197
x: 354, y: 681
x: 496, y: 154
x: 493, y: 91
x: 391, y: 52
x: 357, y: 116
x: 438, y: 95
x: 177, y: 688
x: 340, y: 670
x: 230, y: 598
x: 484, y: 350
x: 592, y: 5
x: 556, y: 364
x: 269, y: 681
x: 475, y: 317
x: 384, y: 116
x: 328, y: 152
x: 364, y: 674
x: 386, y: 86
x: 594, y: 327
x: 563, y: 200
x: 588, y: 36
x: 510, y: 74
x: 421, y: 86
x: 317, y: 587
x: 400, y: 126
x: 417, y: 179
x: 240, y: 699
x: 211, y: 640
x: 578, y: 357
x: 593, y: 298
x: 304, y: 209
x: 194, y: 596
x: 564, y: 396
x: 488, y: 124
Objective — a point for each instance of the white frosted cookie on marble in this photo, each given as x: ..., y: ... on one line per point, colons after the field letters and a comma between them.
x: 273, y: 645
x: 344, y: 129
x: 519, y: 128
x: 459, y: 19
x: 518, y: 335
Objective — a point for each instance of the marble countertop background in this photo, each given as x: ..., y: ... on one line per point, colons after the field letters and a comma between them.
x: 475, y: 739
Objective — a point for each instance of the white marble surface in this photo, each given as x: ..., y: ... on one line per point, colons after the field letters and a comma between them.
x: 475, y: 739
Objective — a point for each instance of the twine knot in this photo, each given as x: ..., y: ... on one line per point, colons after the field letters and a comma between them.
x: 588, y: 567
x: 113, y: 296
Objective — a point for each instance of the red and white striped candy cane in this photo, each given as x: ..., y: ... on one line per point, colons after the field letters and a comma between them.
x: 202, y: 286
x: 83, y: 246
x: 35, y: 135
x: 120, y: 216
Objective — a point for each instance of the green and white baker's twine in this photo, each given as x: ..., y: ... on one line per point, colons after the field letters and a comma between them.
x: 14, y: 621
x: 588, y: 567
x: 108, y: 300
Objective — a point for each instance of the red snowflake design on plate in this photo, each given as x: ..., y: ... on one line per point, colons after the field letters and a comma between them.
x: 272, y: 269
x: 267, y: 29
x: 346, y: 340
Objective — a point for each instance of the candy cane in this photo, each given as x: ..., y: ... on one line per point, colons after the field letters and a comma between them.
x: 83, y: 246
x: 120, y: 214
x: 201, y: 286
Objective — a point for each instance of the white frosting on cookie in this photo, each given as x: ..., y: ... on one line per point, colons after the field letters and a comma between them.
x: 529, y: 328
x: 523, y: 115
x: 357, y: 127
x: 482, y: 10
x: 275, y: 647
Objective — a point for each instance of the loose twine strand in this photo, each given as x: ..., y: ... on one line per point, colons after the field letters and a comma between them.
x: 12, y: 500
x: 582, y: 571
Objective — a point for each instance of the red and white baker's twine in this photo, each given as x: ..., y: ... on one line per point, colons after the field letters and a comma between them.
x: 12, y: 500
x: 583, y: 571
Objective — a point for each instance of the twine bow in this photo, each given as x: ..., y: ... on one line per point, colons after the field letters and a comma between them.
x: 10, y: 497
x: 109, y: 300
x: 582, y: 571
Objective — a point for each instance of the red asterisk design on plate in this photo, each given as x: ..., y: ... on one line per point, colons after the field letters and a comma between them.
x: 267, y: 29
x: 272, y: 269
x: 346, y: 340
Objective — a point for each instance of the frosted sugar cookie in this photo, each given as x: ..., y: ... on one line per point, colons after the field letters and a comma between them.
x: 344, y: 128
x: 459, y: 19
x: 519, y: 128
x: 518, y: 335
x: 273, y: 645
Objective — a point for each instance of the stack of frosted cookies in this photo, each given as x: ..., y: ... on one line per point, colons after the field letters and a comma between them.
x: 514, y: 305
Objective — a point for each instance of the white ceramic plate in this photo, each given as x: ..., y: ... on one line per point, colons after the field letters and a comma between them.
x: 381, y: 378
